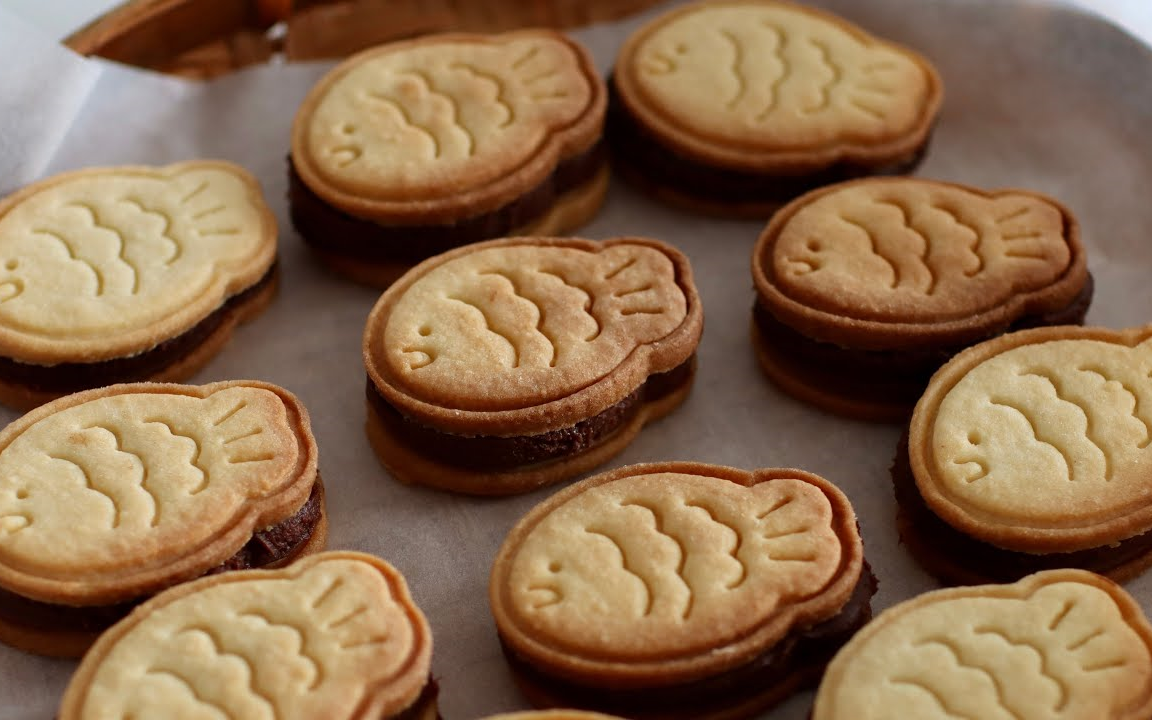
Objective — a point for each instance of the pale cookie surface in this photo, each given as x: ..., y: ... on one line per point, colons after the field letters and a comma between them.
x: 108, y: 262
x: 667, y: 567
x: 422, y: 120
x: 517, y: 325
x: 1043, y: 433
x: 1061, y: 645
x: 133, y: 484
x: 918, y: 251
x: 773, y: 77
x: 335, y: 636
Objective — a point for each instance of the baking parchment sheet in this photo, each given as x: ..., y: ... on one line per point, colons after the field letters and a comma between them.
x: 1037, y: 96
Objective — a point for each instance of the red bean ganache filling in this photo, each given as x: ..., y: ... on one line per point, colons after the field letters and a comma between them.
x: 644, y: 156
x: 796, y: 661
x: 272, y: 545
x: 339, y: 233
x: 67, y: 378
x: 487, y: 452
x: 888, y: 375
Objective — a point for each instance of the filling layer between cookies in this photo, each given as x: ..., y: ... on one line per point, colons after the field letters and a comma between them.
x: 797, y: 660
x: 644, y: 157
x: 487, y: 452
x: 66, y: 378
x: 885, y: 376
x: 950, y: 554
x: 337, y: 232
x: 277, y: 544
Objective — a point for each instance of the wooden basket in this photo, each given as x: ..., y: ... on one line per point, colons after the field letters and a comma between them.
x: 206, y: 38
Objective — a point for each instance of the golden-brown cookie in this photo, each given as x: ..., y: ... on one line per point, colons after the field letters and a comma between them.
x: 417, y: 147
x: 738, y: 106
x: 1060, y: 644
x: 679, y: 590
x: 129, y: 273
x: 1031, y: 451
x: 112, y: 495
x: 333, y: 637
x: 864, y: 289
x: 506, y: 365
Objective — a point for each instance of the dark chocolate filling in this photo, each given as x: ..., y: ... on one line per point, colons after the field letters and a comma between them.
x: 265, y: 547
x: 66, y: 378
x: 802, y: 653
x: 891, y: 376
x: 936, y: 537
x: 339, y: 233
x: 489, y: 452
x: 632, y: 146
x: 415, y: 711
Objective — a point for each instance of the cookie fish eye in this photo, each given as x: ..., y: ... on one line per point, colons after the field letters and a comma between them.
x: 12, y: 264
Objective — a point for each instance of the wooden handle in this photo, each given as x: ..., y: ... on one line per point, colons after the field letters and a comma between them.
x: 206, y: 38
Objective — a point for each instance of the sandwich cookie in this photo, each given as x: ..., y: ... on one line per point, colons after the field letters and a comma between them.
x: 1062, y: 644
x: 121, y: 274
x: 1029, y: 452
x: 680, y: 590
x: 736, y: 107
x: 500, y: 367
x: 414, y: 148
x: 333, y: 637
x: 115, y: 494
x: 864, y: 289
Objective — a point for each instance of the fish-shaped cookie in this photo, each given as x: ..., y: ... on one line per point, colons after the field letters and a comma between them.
x: 112, y: 495
x: 413, y: 148
x: 738, y: 106
x: 127, y: 273
x: 1064, y: 644
x: 336, y: 636
x: 506, y: 365
x: 679, y: 590
x: 865, y: 288
x: 1031, y: 451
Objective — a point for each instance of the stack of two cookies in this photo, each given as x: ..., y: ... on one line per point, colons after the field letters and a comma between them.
x: 1025, y: 452
x: 112, y: 494
x: 502, y: 366
x: 712, y: 591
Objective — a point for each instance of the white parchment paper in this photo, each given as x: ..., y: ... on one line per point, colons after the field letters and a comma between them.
x: 1037, y: 96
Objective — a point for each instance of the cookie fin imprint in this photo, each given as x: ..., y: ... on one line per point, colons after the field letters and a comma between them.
x: 1035, y: 443
x: 703, y: 584
x: 865, y: 288
x: 1063, y: 643
x: 414, y: 148
x: 105, y: 267
x: 739, y: 106
x: 510, y: 364
x: 334, y: 636
x: 121, y: 492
